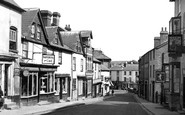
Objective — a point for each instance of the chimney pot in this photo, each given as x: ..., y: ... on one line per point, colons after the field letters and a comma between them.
x: 56, y: 18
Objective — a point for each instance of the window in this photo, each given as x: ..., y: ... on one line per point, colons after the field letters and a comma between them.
x: 60, y: 58
x: 47, y: 84
x: 117, y: 73
x: 30, y: 84
x: 38, y: 32
x: 130, y: 79
x: 64, y: 85
x: 13, y: 38
x: 89, y: 86
x: 125, y: 79
x: 25, y: 49
x: 32, y: 31
x: 130, y: 72
x: 74, y: 63
x: 81, y: 65
x: 125, y: 72
x: 57, y: 85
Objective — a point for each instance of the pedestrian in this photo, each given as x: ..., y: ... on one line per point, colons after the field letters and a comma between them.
x: 112, y: 92
x: 1, y: 98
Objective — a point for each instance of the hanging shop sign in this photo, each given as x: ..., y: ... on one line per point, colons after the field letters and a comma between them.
x: 175, y: 43
x: 48, y: 59
x: 160, y: 76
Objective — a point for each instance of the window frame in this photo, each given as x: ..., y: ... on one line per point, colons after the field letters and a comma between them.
x: 13, y: 39
x: 25, y: 50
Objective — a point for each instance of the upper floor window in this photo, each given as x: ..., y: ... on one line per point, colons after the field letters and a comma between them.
x: 125, y: 72
x: 38, y: 32
x: 117, y: 73
x: 32, y: 31
x: 60, y: 58
x: 82, y: 63
x: 130, y: 72
x: 25, y: 49
x: 13, y: 38
x: 74, y: 63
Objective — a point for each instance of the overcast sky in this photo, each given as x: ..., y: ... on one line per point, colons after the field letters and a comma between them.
x: 122, y: 29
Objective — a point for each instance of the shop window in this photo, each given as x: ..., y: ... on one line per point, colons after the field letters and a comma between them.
x: 13, y: 39
x: 25, y: 49
x: 47, y: 84
x: 89, y: 86
x: 30, y: 84
x: 64, y: 85
x: 57, y: 85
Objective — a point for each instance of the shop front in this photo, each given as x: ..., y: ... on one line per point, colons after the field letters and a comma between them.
x: 97, y: 87
x: 37, y: 83
x: 62, y: 86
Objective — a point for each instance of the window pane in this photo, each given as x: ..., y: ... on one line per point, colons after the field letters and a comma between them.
x: 12, y: 45
x: 24, y: 86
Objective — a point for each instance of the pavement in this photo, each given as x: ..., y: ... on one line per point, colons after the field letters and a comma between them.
x: 151, y: 108
x: 156, y: 108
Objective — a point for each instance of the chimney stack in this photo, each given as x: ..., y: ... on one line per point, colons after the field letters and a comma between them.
x: 46, y: 17
x: 163, y: 36
x: 156, y: 41
x: 56, y: 19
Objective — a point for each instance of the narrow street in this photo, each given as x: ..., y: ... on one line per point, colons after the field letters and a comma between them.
x: 121, y: 104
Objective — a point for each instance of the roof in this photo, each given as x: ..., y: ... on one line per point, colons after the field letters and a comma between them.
x: 52, y: 31
x: 86, y: 33
x: 98, y: 54
x: 33, y: 15
x: 95, y: 60
x: 71, y: 38
x: 122, y: 62
x: 133, y: 67
x: 12, y: 4
x: 104, y: 68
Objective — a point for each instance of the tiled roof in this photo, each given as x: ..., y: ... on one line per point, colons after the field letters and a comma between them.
x: 86, y: 33
x: 95, y: 60
x: 104, y: 68
x: 98, y: 54
x: 51, y: 31
x: 70, y: 39
x: 27, y: 19
x: 133, y: 67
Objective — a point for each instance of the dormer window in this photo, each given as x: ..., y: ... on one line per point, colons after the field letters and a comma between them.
x: 32, y: 31
x: 38, y: 32
x: 55, y: 41
x: 13, y: 38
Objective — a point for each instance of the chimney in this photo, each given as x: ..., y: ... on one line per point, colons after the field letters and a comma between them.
x: 156, y: 41
x: 163, y: 36
x: 46, y: 17
x: 68, y: 28
x: 56, y: 19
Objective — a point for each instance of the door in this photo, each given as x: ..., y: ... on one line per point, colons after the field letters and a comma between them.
x: 6, y: 79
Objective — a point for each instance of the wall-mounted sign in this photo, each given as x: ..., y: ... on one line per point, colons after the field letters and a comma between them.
x: 16, y: 71
x: 175, y: 26
x: 175, y: 43
x: 48, y: 59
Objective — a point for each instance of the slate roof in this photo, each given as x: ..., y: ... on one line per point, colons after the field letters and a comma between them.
x: 51, y: 31
x: 12, y: 4
x: 95, y: 60
x: 86, y: 33
x: 28, y: 18
x: 70, y: 39
x: 133, y: 67
x: 104, y: 68
x: 98, y: 54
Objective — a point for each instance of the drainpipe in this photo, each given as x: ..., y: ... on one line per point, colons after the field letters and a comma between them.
x: 71, y: 89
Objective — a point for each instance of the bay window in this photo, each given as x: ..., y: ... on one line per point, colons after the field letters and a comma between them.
x: 47, y: 83
x: 30, y: 84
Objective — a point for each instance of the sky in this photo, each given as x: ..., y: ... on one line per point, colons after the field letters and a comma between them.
x: 123, y: 29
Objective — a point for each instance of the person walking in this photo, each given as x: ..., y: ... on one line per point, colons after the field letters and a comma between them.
x: 112, y: 92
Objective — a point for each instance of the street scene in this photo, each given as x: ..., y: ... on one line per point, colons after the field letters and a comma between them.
x: 87, y: 57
